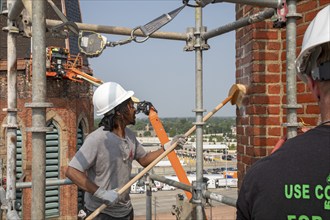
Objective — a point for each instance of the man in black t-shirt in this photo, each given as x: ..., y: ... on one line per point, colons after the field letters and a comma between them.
x: 294, y: 182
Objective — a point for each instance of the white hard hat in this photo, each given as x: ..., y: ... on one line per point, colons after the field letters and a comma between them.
x: 317, y: 33
x: 108, y: 95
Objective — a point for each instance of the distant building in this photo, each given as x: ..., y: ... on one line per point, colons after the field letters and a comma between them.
x: 209, y: 150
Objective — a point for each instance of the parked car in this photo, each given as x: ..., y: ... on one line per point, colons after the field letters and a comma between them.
x: 168, y: 187
x: 159, y: 185
x: 227, y: 157
x: 154, y: 189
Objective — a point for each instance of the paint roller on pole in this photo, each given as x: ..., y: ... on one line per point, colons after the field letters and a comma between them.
x: 235, y: 95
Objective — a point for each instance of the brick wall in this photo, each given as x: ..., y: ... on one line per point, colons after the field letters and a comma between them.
x: 261, y: 66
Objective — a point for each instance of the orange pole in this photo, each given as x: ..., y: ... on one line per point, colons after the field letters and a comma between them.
x: 173, y: 158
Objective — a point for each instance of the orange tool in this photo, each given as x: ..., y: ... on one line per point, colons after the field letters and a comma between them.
x: 163, y: 138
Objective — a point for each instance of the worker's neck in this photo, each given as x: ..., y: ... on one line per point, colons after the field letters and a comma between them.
x: 324, y: 108
x: 119, y: 131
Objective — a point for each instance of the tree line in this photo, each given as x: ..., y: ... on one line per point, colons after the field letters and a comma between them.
x: 174, y: 126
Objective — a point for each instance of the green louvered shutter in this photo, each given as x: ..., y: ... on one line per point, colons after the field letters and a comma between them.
x: 3, y: 5
x: 19, y: 171
x: 80, y: 140
x: 52, y: 208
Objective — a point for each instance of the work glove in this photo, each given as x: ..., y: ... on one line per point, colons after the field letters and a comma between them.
x: 108, y: 196
x: 181, y: 139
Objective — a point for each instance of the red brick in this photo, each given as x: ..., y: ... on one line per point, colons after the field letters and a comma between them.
x: 247, y: 159
x: 266, y: 35
x: 263, y: 56
x: 269, y: 78
x: 301, y: 29
x: 324, y: 2
x: 239, y: 33
x: 274, y: 89
x: 265, y: 99
x: 241, y: 148
x: 264, y: 141
x: 240, y: 130
x: 255, y: 130
x: 273, y: 45
x: 259, y: 45
x: 244, y: 140
x: 259, y: 25
x: 309, y: 16
x: 260, y: 151
x: 254, y: 109
x: 273, y: 110
x: 308, y: 6
x: 257, y: 89
x: 301, y: 87
x: 264, y: 121
x: 274, y: 131
x: 306, y: 98
x: 258, y: 67
x: 273, y: 68
x: 313, y: 109
x: 244, y: 120
x: 311, y: 121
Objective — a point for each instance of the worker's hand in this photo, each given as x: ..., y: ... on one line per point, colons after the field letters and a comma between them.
x: 108, y: 196
x: 181, y: 139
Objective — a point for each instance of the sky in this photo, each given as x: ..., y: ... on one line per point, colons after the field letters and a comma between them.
x: 159, y: 70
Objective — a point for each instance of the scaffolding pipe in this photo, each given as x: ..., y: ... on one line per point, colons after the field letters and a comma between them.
x: 38, y: 109
x: 148, y: 198
x: 11, y: 131
x: 291, y: 82
x: 207, y: 194
x: 220, y: 198
x: 260, y: 16
x: 58, y: 182
x: 15, y: 10
x: 171, y: 182
x: 199, y: 113
x: 122, y: 30
x: 260, y: 3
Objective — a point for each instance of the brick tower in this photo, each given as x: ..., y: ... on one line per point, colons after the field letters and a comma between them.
x: 71, y: 117
x: 261, y: 66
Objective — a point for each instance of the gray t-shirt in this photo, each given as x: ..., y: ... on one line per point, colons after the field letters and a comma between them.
x: 107, y: 159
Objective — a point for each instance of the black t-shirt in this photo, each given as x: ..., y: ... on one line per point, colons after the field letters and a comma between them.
x: 293, y: 183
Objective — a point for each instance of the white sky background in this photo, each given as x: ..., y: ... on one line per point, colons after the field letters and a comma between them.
x: 159, y: 70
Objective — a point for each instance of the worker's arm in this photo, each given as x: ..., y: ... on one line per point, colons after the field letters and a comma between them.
x: 81, y: 180
x: 149, y: 157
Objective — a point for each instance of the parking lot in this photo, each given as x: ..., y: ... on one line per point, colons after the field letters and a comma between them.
x: 163, y: 202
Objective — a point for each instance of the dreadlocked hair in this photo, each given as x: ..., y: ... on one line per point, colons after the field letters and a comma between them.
x: 109, y: 121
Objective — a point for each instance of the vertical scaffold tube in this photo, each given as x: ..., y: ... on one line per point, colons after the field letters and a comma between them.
x: 199, y: 113
x: 11, y: 131
x: 38, y: 112
x: 290, y: 69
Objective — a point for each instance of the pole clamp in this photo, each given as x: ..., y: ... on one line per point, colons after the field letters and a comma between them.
x: 191, y: 43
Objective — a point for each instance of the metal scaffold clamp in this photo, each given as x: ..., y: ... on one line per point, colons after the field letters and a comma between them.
x: 191, y: 43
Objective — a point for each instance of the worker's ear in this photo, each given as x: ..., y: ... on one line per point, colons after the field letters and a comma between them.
x: 314, y: 87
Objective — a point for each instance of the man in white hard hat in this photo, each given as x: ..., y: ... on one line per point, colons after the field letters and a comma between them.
x: 104, y: 162
x: 294, y: 182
